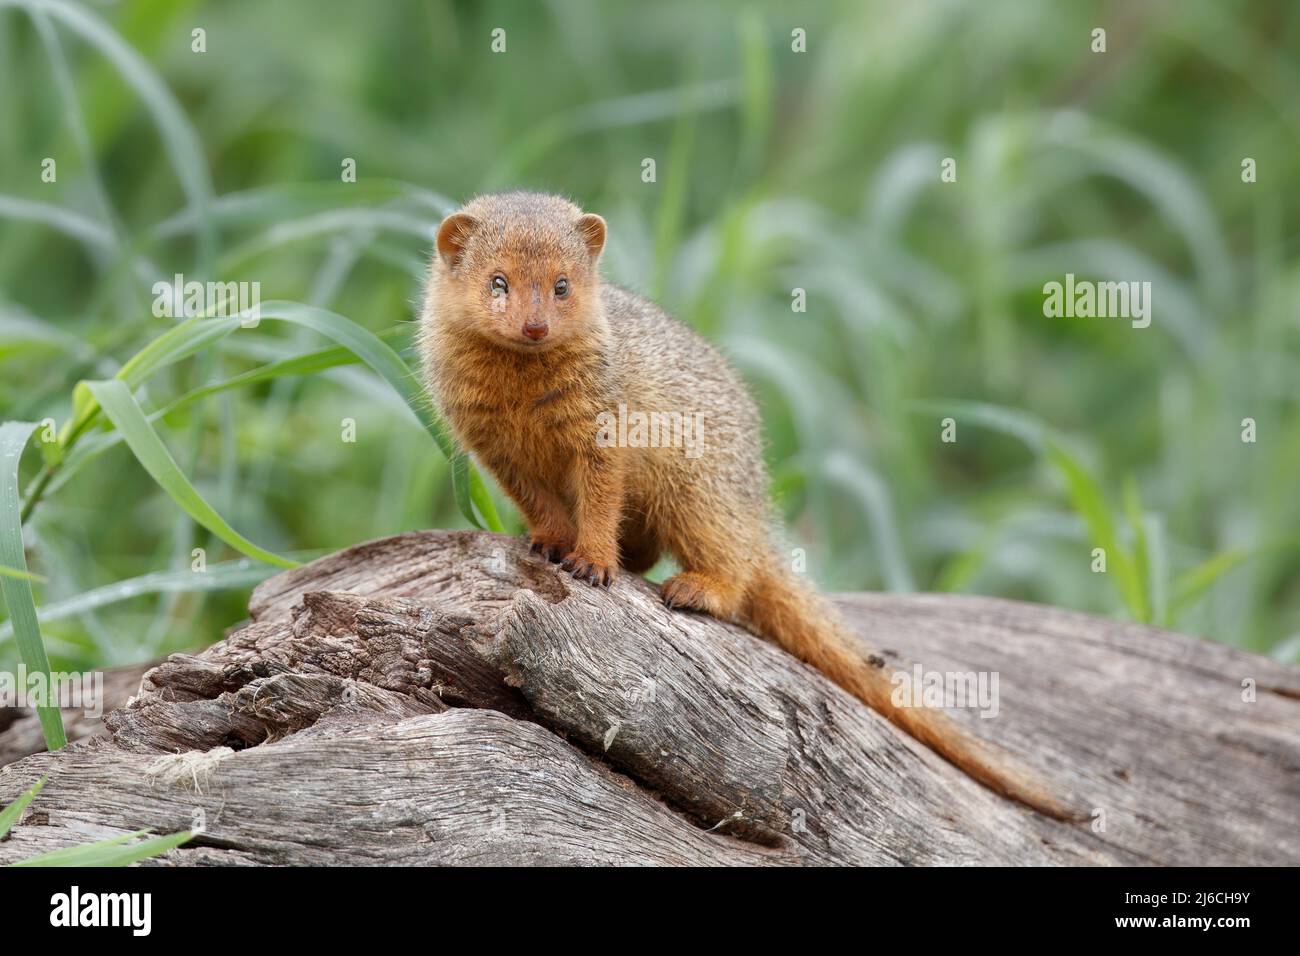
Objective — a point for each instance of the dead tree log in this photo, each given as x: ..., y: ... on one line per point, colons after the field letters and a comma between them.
x: 446, y: 697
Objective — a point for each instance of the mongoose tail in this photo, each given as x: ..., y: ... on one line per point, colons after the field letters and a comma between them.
x: 780, y: 608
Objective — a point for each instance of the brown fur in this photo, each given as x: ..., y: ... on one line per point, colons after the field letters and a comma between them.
x: 527, y: 408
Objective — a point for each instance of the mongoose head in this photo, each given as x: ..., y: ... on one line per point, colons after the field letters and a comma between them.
x: 520, y: 269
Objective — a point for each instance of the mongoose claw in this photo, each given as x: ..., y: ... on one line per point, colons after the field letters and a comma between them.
x: 693, y: 591
x: 551, y: 552
x: 584, y: 569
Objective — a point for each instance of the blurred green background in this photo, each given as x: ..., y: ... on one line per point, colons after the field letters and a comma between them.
x: 776, y: 170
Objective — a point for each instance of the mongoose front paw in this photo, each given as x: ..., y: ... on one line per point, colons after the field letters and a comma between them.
x: 585, y: 569
x: 552, y: 549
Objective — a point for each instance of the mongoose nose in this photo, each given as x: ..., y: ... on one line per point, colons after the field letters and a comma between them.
x: 536, y: 330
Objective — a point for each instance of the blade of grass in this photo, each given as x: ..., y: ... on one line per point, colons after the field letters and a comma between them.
x: 671, y: 212
x: 330, y: 222
x: 116, y: 851
x: 469, y: 489
x: 1090, y: 503
x: 115, y: 398
x: 466, y: 482
x: 195, y: 334
x: 72, y: 224
x: 184, y: 149
x: 10, y: 814
x: 873, y: 494
x: 1008, y: 421
x: 225, y: 575
x: 76, y: 123
x: 1165, y: 184
x: 8, y: 572
x: 958, y: 572
x: 18, y: 591
x: 186, y: 339
x: 756, y: 91
x: 308, y: 364
x: 1190, y: 586
x: 651, y: 106
x: 177, y: 343
x: 20, y: 329
x: 282, y: 202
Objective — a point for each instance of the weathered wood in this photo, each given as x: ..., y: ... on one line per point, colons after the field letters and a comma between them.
x: 446, y: 697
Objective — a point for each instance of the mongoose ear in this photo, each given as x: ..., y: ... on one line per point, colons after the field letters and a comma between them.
x: 592, y: 229
x: 452, y: 236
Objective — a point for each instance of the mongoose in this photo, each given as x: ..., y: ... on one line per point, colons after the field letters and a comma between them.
x: 525, y: 347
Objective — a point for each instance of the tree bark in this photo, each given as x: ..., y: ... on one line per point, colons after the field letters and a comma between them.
x: 446, y: 697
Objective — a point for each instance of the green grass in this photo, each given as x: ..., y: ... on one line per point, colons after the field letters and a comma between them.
x: 16, y: 585
x: 775, y: 171
x: 115, y: 851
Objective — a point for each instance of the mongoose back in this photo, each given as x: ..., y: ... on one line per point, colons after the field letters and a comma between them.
x: 527, y: 351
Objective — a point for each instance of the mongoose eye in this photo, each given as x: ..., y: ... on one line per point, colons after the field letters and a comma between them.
x: 499, y: 285
x: 561, y: 288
